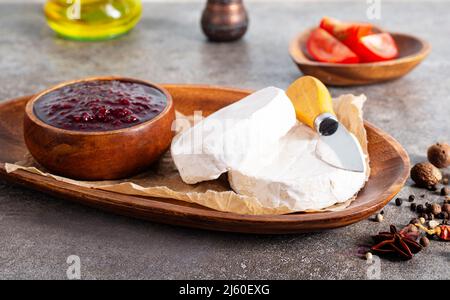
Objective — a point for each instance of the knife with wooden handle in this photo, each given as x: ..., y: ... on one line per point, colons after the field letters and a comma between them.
x: 313, y: 107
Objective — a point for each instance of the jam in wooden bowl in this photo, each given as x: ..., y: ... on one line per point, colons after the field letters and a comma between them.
x: 99, y: 128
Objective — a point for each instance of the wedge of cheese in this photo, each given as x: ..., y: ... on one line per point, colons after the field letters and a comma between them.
x: 241, y: 135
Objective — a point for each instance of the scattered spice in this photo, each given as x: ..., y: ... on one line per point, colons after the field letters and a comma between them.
x: 435, y: 209
x: 445, y: 180
x: 420, y: 209
x: 444, y: 191
x: 411, y: 198
x: 443, y: 215
x: 369, y: 256
x: 424, y: 241
x: 380, y: 218
x: 439, y: 155
x: 433, y: 224
x: 410, y: 229
x: 442, y: 231
x: 446, y: 207
x: 413, y: 206
x: 395, y: 243
x: 398, y: 201
x: 382, y: 212
x: 430, y: 216
x: 422, y: 196
x: 425, y: 174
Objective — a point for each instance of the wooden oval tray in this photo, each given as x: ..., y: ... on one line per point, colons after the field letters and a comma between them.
x: 389, y: 163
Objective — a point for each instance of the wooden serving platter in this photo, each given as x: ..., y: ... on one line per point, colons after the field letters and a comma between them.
x: 389, y: 163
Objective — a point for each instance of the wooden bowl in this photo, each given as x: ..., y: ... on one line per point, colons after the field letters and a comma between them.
x: 98, y: 155
x: 412, y: 51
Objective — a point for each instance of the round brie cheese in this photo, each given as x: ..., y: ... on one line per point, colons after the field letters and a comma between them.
x: 296, y: 178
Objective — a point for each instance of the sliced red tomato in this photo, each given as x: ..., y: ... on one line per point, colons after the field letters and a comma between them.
x: 348, y: 33
x: 323, y: 47
x: 377, y: 47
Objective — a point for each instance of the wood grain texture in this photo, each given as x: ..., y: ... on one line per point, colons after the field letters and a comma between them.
x: 98, y: 155
x: 412, y: 51
x: 389, y: 163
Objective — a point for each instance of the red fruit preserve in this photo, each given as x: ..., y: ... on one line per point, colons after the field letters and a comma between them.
x: 101, y: 105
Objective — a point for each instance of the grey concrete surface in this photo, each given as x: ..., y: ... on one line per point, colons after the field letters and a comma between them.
x: 38, y: 232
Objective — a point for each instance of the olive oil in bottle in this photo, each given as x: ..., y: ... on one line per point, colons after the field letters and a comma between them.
x: 92, y: 19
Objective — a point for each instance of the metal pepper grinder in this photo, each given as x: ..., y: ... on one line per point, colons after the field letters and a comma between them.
x: 224, y: 20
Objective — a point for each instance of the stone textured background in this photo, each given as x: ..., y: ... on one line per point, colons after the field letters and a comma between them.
x: 39, y: 232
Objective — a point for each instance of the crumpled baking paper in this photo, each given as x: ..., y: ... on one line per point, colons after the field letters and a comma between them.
x: 163, y: 180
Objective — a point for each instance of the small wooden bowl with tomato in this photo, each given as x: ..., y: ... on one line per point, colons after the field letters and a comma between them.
x: 344, y: 54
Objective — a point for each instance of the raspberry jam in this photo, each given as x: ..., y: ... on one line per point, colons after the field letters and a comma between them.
x: 101, y: 105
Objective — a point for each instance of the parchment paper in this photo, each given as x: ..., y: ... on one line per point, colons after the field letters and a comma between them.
x: 163, y: 180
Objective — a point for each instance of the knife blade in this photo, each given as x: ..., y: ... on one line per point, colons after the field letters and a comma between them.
x: 313, y: 106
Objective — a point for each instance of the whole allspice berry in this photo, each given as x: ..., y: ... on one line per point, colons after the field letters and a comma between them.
x: 424, y: 241
x: 435, y: 209
x: 446, y: 208
x: 439, y: 155
x: 425, y: 174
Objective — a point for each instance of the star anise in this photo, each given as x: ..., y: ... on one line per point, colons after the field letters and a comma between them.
x: 395, y: 243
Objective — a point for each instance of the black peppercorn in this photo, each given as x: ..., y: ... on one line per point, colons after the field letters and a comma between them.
x: 425, y: 216
x: 420, y: 208
x: 422, y: 196
x: 444, y: 191
x: 398, y: 201
x: 430, y: 216
x: 413, y: 206
x: 411, y: 198
x: 382, y: 212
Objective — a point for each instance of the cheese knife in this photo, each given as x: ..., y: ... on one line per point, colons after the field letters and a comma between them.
x: 313, y: 107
